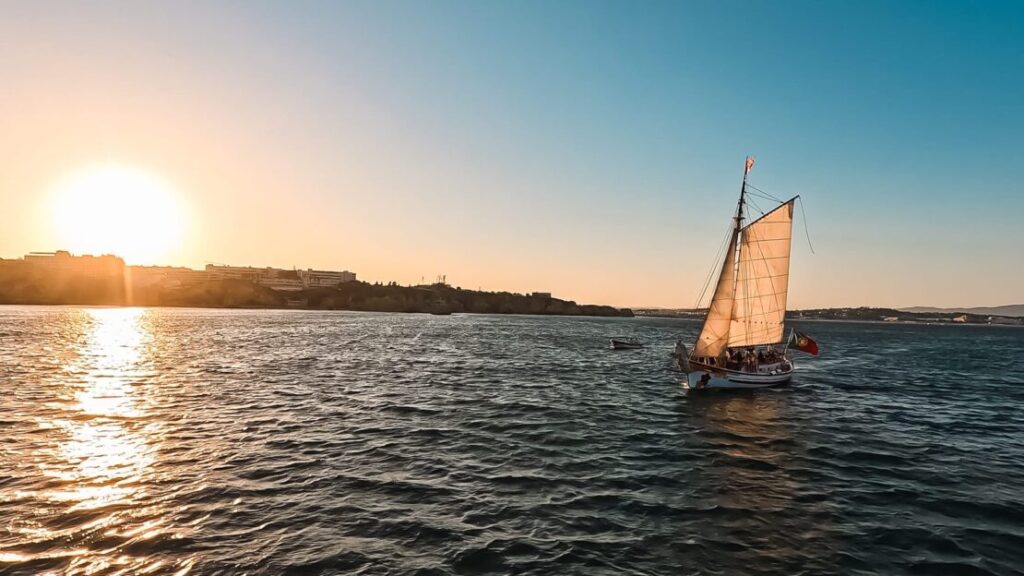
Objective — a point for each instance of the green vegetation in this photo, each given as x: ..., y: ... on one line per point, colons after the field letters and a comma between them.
x: 26, y: 285
x: 443, y: 299
x: 22, y: 284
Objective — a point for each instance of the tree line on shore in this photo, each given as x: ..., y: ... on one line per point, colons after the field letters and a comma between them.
x: 28, y: 286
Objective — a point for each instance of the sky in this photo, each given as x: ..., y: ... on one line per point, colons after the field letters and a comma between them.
x: 590, y: 149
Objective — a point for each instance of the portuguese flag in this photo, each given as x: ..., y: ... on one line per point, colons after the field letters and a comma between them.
x: 803, y: 343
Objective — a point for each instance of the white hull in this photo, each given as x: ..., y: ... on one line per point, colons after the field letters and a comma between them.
x: 723, y: 378
x: 718, y: 382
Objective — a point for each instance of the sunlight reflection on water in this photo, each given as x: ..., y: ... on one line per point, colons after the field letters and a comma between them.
x: 102, y: 446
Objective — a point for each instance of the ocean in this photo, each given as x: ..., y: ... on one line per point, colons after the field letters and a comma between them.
x: 193, y: 441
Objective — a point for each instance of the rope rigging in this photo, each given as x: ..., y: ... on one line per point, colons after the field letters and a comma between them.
x: 714, y: 266
x: 765, y: 194
x: 756, y: 207
x: 803, y: 215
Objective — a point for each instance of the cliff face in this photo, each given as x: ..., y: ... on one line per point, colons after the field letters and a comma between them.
x: 27, y: 286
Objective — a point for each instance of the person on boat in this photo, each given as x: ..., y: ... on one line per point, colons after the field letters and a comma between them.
x: 682, y: 355
x: 702, y: 383
x: 732, y: 360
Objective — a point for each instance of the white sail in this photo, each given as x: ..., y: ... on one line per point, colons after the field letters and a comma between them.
x: 714, y: 336
x: 762, y: 280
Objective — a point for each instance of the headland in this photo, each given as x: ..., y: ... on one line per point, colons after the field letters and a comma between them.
x: 60, y: 278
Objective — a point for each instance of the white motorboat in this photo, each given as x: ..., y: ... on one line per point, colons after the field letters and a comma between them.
x: 624, y: 343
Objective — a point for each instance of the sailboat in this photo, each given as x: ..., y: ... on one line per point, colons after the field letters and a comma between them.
x: 737, y: 346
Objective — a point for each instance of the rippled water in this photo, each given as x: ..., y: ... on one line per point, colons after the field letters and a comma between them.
x: 265, y: 442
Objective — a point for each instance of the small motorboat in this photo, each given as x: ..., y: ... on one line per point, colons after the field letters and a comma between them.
x: 624, y: 343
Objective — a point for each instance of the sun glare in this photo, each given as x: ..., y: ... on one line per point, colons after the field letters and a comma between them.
x: 120, y: 210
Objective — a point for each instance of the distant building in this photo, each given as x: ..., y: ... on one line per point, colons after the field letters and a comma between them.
x: 960, y: 318
x: 64, y: 266
x: 325, y: 278
x: 891, y: 318
x: 218, y: 272
x: 279, y: 278
x: 164, y: 276
x: 63, y: 262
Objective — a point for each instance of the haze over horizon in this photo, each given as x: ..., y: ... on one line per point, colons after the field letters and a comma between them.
x: 584, y: 149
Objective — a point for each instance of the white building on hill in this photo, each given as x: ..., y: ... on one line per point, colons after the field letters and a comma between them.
x: 325, y: 278
x: 280, y: 278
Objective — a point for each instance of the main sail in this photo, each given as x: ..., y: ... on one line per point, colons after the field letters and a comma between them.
x: 762, y: 279
x: 749, y: 304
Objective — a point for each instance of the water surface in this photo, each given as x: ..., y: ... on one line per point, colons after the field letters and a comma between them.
x: 167, y: 441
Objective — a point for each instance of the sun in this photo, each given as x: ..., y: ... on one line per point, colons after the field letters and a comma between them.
x: 121, y: 210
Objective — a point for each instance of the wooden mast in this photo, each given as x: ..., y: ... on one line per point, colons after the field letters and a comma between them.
x: 747, y: 165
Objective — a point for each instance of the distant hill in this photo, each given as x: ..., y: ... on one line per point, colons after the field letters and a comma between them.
x: 1015, y: 310
x: 22, y: 283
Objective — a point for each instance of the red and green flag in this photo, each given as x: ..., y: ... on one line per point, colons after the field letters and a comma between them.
x: 803, y: 343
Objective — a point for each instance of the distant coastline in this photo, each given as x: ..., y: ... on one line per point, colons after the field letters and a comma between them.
x: 354, y: 296
x: 27, y: 284
x: 910, y: 322
x: 860, y: 314
x: 61, y: 278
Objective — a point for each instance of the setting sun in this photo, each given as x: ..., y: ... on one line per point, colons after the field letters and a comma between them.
x: 120, y: 210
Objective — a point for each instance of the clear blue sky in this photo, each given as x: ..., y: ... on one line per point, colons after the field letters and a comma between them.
x: 593, y: 149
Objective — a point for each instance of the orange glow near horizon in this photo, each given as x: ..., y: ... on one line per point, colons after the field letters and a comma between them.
x: 114, y: 209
